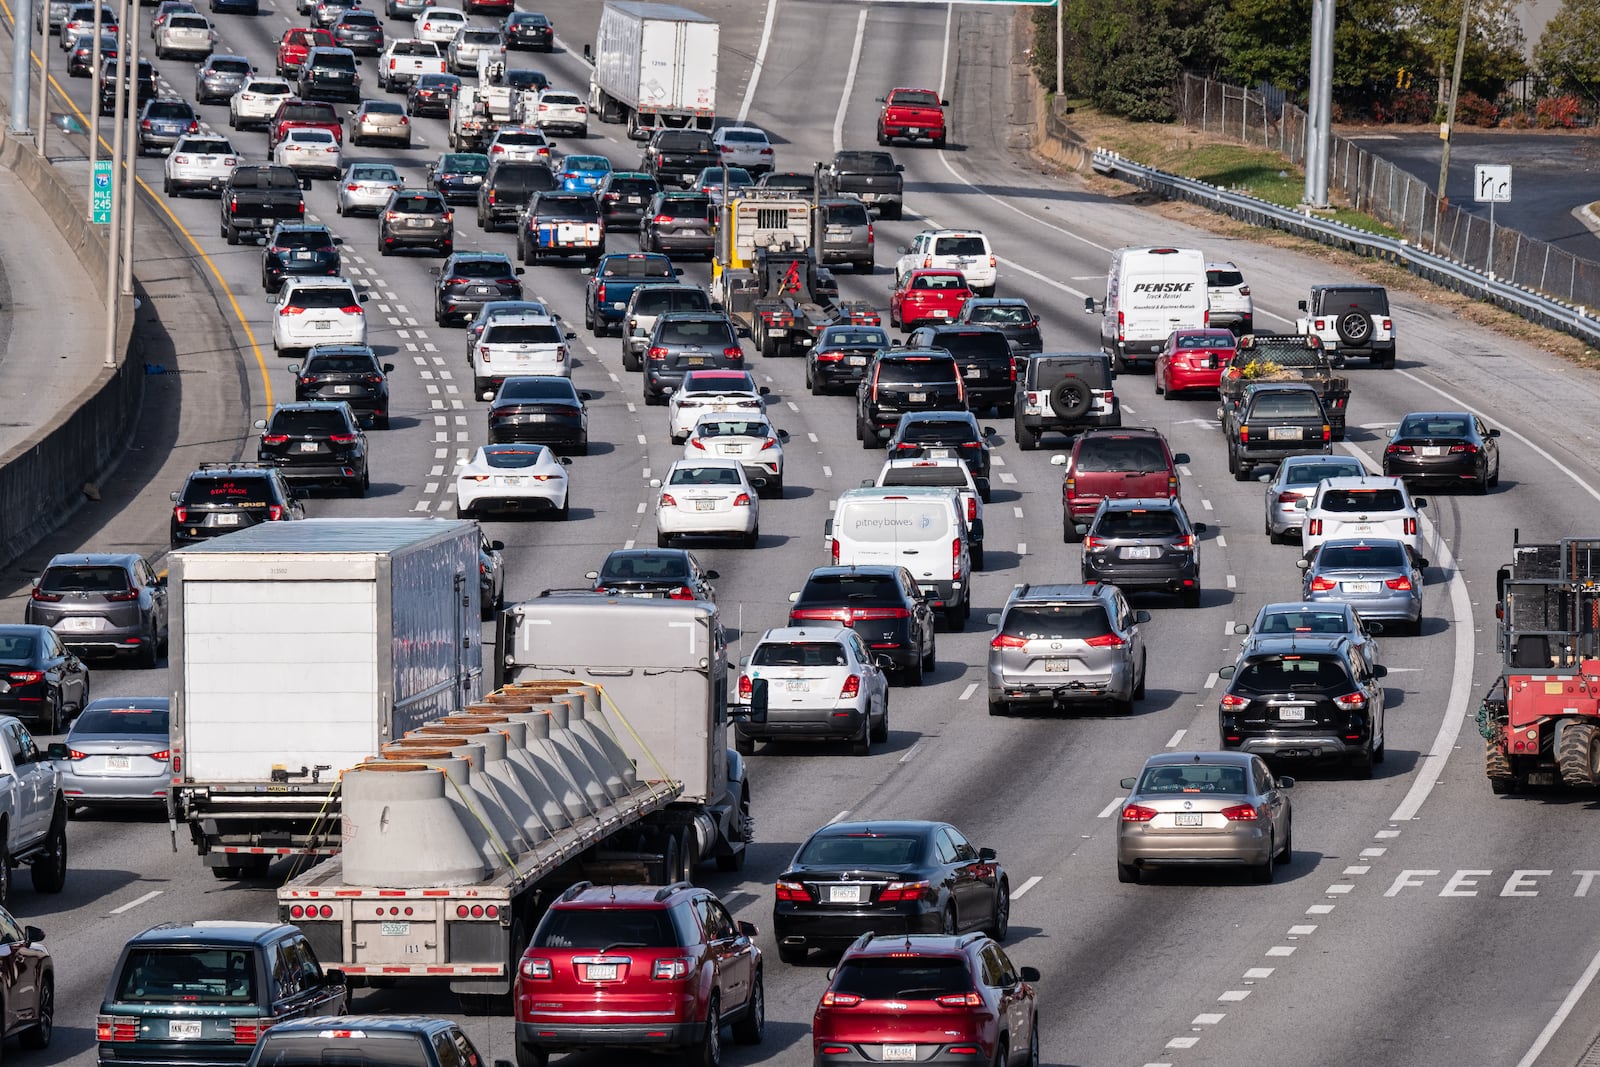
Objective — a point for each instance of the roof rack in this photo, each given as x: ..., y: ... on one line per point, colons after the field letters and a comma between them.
x: 574, y: 889
x: 237, y: 464
x: 667, y: 890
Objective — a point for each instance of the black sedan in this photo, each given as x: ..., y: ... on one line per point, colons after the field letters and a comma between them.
x: 889, y: 878
x: 880, y: 602
x: 1448, y: 447
x: 39, y: 678
x: 840, y: 357
x: 469, y: 280
x: 664, y: 573
x: 540, y: 409
x: 316, y: 442
x: 350, y: 373
x: 529, y: 30
x: 301, y: 250
x: 457, y: 175
x: 431, y: 95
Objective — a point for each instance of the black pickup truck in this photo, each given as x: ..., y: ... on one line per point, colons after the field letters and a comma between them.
x: 1271, y: 422
x: 676, y: 157
x: 874, y: 178
x: 1286, y: 357
x: 257, y: 197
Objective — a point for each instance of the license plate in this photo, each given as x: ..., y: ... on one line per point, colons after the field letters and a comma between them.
x: 929, y: 590
x: 1141, y: 552
x: 177, y: 1028
x: 1188, y: 820
x: 695, y: 361
x: 913, y: 130
x: 601, y: 972
x: 705, y: 505
x: 509, y: 479
x: 308, y: 446
x: 119, y: 763
x: 974, y: 372
x: 1291, y: 714
x: 838, y: 238
x: 76, y: 625
x: 324, y: 324
x: 474, y: 179
x: 1283, y: 433
x: 419, y: 223
x: 395, y: 929
x: 227, y: 520
x: 918, y: 398
x: 302, y: 257
x: 1432, y: 450
x: 1209, y: 363
x: 797, y: 685
x: 732, y: 450
x: 635, y: 200
x: 899, y: 1053
x: 341, y: 390
x: 844, y: 894
x: 855, y: 361
x: 940, y: 313
x: 1359, y: 587
x: 1057, y: 666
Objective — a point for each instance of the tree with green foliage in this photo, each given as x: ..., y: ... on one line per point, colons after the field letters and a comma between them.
x: 1568, y: 52
x: 1494, y: 52
x: 1266, y: 41
x: 1126, y: 55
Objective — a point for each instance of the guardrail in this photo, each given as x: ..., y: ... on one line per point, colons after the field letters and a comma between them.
x: 1451, y: 274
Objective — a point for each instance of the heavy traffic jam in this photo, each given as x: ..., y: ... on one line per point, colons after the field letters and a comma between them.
x: 511, y: 796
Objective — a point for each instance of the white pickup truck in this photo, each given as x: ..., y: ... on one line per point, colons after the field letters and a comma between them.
x: 33, y: 811
x: 406, y: 60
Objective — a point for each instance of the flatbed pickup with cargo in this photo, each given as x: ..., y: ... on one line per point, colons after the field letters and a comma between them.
x: 1287, y: 357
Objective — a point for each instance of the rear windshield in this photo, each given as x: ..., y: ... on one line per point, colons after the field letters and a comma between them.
x: 322, y: 296
x: 1312, y: 473
x: 835, y: 589
x: 800, y: 654
x: 269, y: 88
x: 303, y: 239
x: 732, y: 428
x: 625, y: 567
x: 1278, y: 674
x: 216, y: 147
x: 634, y: 186
x: 683, y: 141
x: 911, y: 520
x: 564, y: 99
x: 684, y: 207
x: 604, y: 928
x: 1124, y: 454
x: 419, y: 205
x: 745, y: 136
x: 1193, y: 778
x: 696, y: 332
x: 84, y: 580
x: 243, y: 492
x: 1207, y: 340
x: 1138, y: 524
x: 1434, y: 426
x: 532, y: 333
x: 535, y: 179
x: 1219, y: 278
x: 309, y: 421
x: 537, y: 389
x: 152, y: 721
x: 13, y: 648
x: 313, y: 1050
x: 583, y: 208
x: 382, y: 107
x: 704, y: 476
x: 306, y: 112
x: 335, y: 61
x: 972, y: 344
x: 1363, y: 500
x: 875, y: 978
x: 938, y: 430
x: 789, y: 181
x: 916, y: 371
x: 842, y: 214
x: 521, y: 137
x: 861, y: 850
x: 1056, y: 622
x: 856, y: 339
x: 865, y: 162
x: 340, y: 365
x: 1001, y: 315
x: 1372, y: 301
x: 934, y: 474
x: 1343, y: 557
x: 1303, y: 621
x: 654, y: 301
x: 960, y: 246
x: 480, y: 36
x: 1286, y: 405
x: 643, y: 267
x: 359, y: 18
x: 916, y: 98
x: 464, y: 163
x: 939, y: 281
x: 514, y: 458
x: 188, y: 976
x: 168, y: 109
x: 231, y: 66
x: 188, y: 22
x: 482, y: 268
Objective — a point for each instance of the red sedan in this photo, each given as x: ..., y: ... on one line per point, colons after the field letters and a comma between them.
x: 1194, y: 359
x: 928, y: 296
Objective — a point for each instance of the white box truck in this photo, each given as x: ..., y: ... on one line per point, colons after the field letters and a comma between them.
x: 297, y: 649
x: 655, y: 66
x: 1150, y: 292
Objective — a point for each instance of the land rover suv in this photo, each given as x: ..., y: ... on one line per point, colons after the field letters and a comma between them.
x: 1351, y: 320
x: 1065, y: 644
x: 1064, y: 392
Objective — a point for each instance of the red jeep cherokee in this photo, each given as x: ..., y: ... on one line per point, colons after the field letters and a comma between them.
x: 927, y: 998
x: 638, y: 966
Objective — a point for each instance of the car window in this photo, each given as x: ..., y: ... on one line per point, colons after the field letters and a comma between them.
x: 878, y: 978
x: 1056, y: 622
x: 960, y: 246
x: 799, y: 654
x: 919, y: 430
x: 340, y: 365
x: 857, y: 338
x: 1193, y: 778
x: 916, y: 98
x: 866, y: 850
x: 1434, y: 426
x: 859, y: 648
x: 1121, y: 454
x: 1312, y: 473
x: 445, y: 1050
x: 514, y: 458
x: 942, y: 282
x: 1349, y: 556
x: 1363, y: 500
x: 16, y: 647
x: 944, y: 850
x: 915, y: 371
x: 313, y: 421
x: 704, y: 476
x: 538, y: 389
x: 844, y: 214
x: 302, y: 238
x: 321, y: 296
x: 1276, y: 674
x: 244, y: 492
x: 627, y: 566
x: 718, y: 924
x: 310, y: 1049
x: 951, y: 474
x: 1205, y: 340
x: 669, y: 141
x: 573, y: 207
x: 13, y: 730
x: 964, y: 850
x: 469, y: 1054
x: 84, y: 580
x: 1303, y: 622
x: 1285, y: 405
x: 1372, y: 301
x: 524, y: 334
x: 732, y: 428
x: 694, y: 332
x: 157, y: 975
x: 1138, y: 523
x: 1000, y: 315
x: 638, y: 268
x: 10, y: 932
x: 1219, y: 278
x: 594, y: 928
x: 848, y: 588
x: 151, y: 721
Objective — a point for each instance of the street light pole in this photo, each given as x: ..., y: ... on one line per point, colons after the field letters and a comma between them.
x: 44, y: 73
x: 94, y: 96
x: 113, y: 243
x: 21, y: 70
x: 130, y: 146
x: 1061, y: 59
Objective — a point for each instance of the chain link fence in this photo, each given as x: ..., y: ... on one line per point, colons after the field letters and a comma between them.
x: 1379, y: 188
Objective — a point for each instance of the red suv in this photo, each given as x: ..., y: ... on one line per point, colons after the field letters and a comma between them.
x: 1114, y: 464
x: 927, y: 997
x: 631, y: 966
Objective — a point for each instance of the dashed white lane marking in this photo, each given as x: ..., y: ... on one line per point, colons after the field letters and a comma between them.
x: 1372, y: 853
x: 1257, y: 973
x: 1183, y: 1042
x: 457, y: 404
x: 411, y: 346
x: 431, y: 488
x: 811, y: 437
x: 628, y: 543
x: 1172, y: 742
x: 641, y: 509
x: 642, y: 439
x: 1211, y: 680
x: 839, y: 817
x: 421, y: 505
x: 1382, y: 834
x: 631, y: 407
x: 1105, y: 812
x: 441, y: 436
x: 422, y: 361
x: 1222, y: 542
x: 1022, y: 548
x: 590, y: 349
x: 461, y: 420
x: 426, y: 375
x: 827, y: 472
x: 1017, y: 512
x: 1227, y: 628
x: 463, y: 436
x: 438, y: 420
x: 440, y: 453
x: 1008, y: 478
x: 444, y: 374
x: 1206, y: 504
x: 433, y: 390
x: 437, y: 405
x: 966, y: 694
x: 385, y: 309
x: 136, y: 901
x: 436, y: 471
x: 393, y: 321
x: 1232, y: 582
x: 431, y: 347
x: 1356, y: 868
x: 1281, y: 950
x: 1025, y: 886
x: 911, y: 753
x: 402, y: 334
x: 793, y: 406
x: 1339, y: 888
x: 411, y: 322
x: 997, y: 461
x: 1320, y: 909
x: 1209, y: 1018
x: 393, y: 296
x: 1233, y: 996
x: 1302, y: 931
x: 401, y: 308
x: 1185, y: 471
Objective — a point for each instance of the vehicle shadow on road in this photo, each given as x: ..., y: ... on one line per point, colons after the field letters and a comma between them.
x: 1304, y: 864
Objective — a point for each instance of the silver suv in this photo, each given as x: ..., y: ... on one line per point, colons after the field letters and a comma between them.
x: 1061, y: 644
x: 102, y: 602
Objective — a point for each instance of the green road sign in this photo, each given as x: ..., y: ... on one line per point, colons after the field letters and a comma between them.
x: 100, y: 193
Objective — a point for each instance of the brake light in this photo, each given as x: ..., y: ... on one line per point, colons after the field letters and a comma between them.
x: 26, y: 677
x: 1319, y: 584
x: 683, y: 592
x: 672, y: 969
x: 51, y: 598
x: 668, y: 500
x: 830, y: 999
x: 1137, y: 813
x: 249, y: 1031
x: 1396, y: 450
x: 657, y: 353
x: 291, y: 310
x: 536, y: 968
x: 833, y: 550
x: 1410, y: 526
x: 955, y: 555
x: 274, y: 512
x: 733, y: 353
x: 1090, y: 543
x: 1121, y: 324
x: 145, y: 125
x: 351, y: 309
x: 1008, y: 641
x: 1314, y: 527
x: 1400, y: 584
x: 972, y: 509
x: 1243, y: 813
x: 116, y: 1028
x: 742, y: 500
x: 1388, y: 324
x: 793, y: 891
x: 123, y: 597
x: 342, y: 438
x: 745, y: 688
x: 1327, y: 432
x: 1105, y: 641
x: 164, y: 755
x: 194, y: 127
x: 1229, y: 700
x: 1244, y: 434
x: 1351, y: 702
x: 898, y: 892
x: 373, y: 379
x: 1469, y: 449
x: 959, y: 1000
x: 582, y: 109
x: 1287, y: 497
x: 180, y: 513
x: 274, y: 438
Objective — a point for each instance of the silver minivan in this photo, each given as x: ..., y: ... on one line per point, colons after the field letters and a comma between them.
x: 1064, y: 644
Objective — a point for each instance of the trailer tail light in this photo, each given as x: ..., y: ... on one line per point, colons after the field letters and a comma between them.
x: 794, y: 891
x: 1137, y: 813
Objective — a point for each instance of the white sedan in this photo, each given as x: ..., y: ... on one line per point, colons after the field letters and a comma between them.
x: 317, y: 311
x: 745, y: 146
x: 309, y: 152
x: 823, y: 683
x: 527, y: 143
x: 440, y: 25
x: 199, y: 161
x: 750, y: 439
x: 706, y: 391
x: 706, y: 498
x: 257, y: 101
x: 513, y: 477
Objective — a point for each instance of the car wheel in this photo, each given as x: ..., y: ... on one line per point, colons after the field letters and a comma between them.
x: 912, y: 676
x: 752, y: 1025
x: 811, y: 380
x: 1494, y: 479
x: 1026, y: 439
x: 1033, y: 1043
x: 149, y: 651
x: 709, y: 1053
x: 49, y: 871
x: 1138, y: 687
x: 999, y: 709
x: 1268, y: 870
x: 52, y: 717
x: 37, y: 1036
x: 663, y: 540
x: 793, y: 955
x: 948, y: 925
x: 1002, y: 913
x: 743, y: 744
x: 880, y: 732
x: 1128, y: 873
x: 1190, y: 597
x: 528, y: 1056
x: 231, y: 233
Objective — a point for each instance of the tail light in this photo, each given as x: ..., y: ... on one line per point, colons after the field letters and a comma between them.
x: 74, y: 754
x: 733, y: 353
x: 25, y: 677
x: 851, y: 687
x: 495, y: 150
x: 180, y: 159
x: 959, y: 1000
x: 1185, y: 542
x: 274, y: 512
x: 180, y: 513
x: 1388, y: 324
x: 373, y: 379
x: 794, y: 891
x: 660, y: 219
x: 899, y: 892
x: 683, y: 592
x: 870, y: 236
x: 1399, y: 584
x: 1243, y: 813
x: 1287, y: 497
x: 1410, y: 526
x: 1399, y: 450
x: 1244, y: 434
x: 145, y: 125
x: 351, y: 309
x: 1319, y: 584
x: 274, y: 438
x: 449, y: 216
x: 993, y: 262
x: 582, y: 109
x: 879, y: 613
x: 291, y: 310
x: 771, y: 442
x: 830, y: 999
x: 1137, y: 813
x: 1351, y: 702
x: 1468, y: 449
x: 742, y: 500
x: 194, y: 127
x: 668, y: 500
x: 1105, y: 641
x: 1327, y: 433
x: 927, y: 261
x: 672, y: 969
x: 164, y: 755
x: 249, y: 1031
x: 342, y: 438
x: 745, y: 687
x: 1008, y: 641
x: 51, y: 598
x: 123, y: 597
x: 657, y: 353
x: 727, y: 148
x: 501, y: 412
x: 116, y: 1028
x: 1314, y: 527
x: 695, y: 441
x: 600, y: 292
x: 833, y: 550
x: 536, y: 968
x: 1229, y: 700
x: 1121, y: 326
x: 1091, y: 543
x: 955, y: 555
x: 972, y: 509
x: 1205, y: 317
x: 483, y: 353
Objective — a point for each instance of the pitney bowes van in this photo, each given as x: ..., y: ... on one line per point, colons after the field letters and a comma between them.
x: 1150, y: 292
x: 921, y: 528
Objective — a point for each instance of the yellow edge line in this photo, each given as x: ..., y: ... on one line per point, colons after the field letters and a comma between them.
x: 233, y: 301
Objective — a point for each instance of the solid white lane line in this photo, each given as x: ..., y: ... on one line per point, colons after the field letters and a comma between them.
x: 1172, y: 742
x: 1105, y: 812
x: 966, y: 694
x: 849, y: 82
x: 761, y: 60
x: 839, y: 817
x: 911, y: 753
x: 1570, y: 1001
x: 136, y: 901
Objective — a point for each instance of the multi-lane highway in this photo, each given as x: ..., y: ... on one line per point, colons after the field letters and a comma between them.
x: 1422, y: 921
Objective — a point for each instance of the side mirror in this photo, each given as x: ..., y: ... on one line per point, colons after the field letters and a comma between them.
x: 989, y: 431
x: 1200, y: 527
x: 1285, y: 783
x: 338, y: 240
x: 585, y: 271
x: 794, y: 598
x: 1301, y: 305
x: 1264, y: 479
x: 655, y: 483
x: 1088, y: 304
x: 586, y: 395
x: 351, y: 113
x: 433, y: 271
x: 1226, y: 672
x: 1303, y: 563
x: 388, y: 368
x: 1058, y: 460
x: 1141, y: 616
x: 763, y: 391
x: 1423, y: 563
x: 987, y: 855
x: 748, y: 929
x: 32, y: 935
x: 1303, y: 504
x: 565, y: 461
x: 1181, y: 458
x: 1380, y: 671
x: 1493, y: 433
x: 520, y: 271
x: 1129, y: 783
x: 783, y: 435
x: 261, y: 424
x: 903, y: 250
x: 588, y: 54
x: 1241, y: 629
x: 677, y: 271
x: 294, y: 368
x: 1029, y: 974
x: 993, y: 618
x: 713, y: 575
x: 899, y: 168
x: 944, y: 103
x: 1419, y: 502
x: 883, y: 662
x: 1082, y: 528
x: 827, y: 527
x: 57, y: 750
x: 172, y: 495
x: 364, y: 297
x: 571, y: 335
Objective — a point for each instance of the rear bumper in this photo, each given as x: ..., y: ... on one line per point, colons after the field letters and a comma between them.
x: 1244, y: 844
x: 815, y: 926
x: 1289, y: 746
x: 1062, y: 687
x: 554, y: 1036
x: 822, y: 721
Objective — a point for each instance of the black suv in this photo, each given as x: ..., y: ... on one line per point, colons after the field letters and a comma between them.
x: 470, y: 280
x: 507, y: 188
x: 1065, y: 392
x: 1271, y: 422
x: 882, y: 603
x: 945, y: 435
x: 111, y: 76
x: 316, y: 441
x: 1144, y: 544
x: 301, y: 249
x: 1298, y: 696
x: 542, y: 409
x: 984, y: 357
x: 1011, y: 315
x: 623, y: 196
x: 676, y: 157
x: 416, y: 218
x: 902, y: 380
x: 667, y: 573
x: 686, y: 341
x: 220, y: 498
x: 348, y: 373
x: 330, y: 74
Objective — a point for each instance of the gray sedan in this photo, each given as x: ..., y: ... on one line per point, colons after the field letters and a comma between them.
x: 118, y: 753
x: 365, y: 188
x: 219, y: 77
x: 1379, y: 578
x: 1296, y: 479
x: 1324, y: 618
x: 1204, y: 809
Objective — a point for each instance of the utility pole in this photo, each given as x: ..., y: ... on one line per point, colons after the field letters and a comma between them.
x: 94, y: 92
x: 130, y: 145
x: 120, y: 86
x: 21, y: 70
x: 1447, y: 127
x: 44, y: 71
x: 1319, y: 104
x: 1061, y: 59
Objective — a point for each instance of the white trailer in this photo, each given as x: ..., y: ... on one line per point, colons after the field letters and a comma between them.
x: 297, y: 649
x: 655, y: 66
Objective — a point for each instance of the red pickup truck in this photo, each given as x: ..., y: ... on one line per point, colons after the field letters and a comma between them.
x: 928, y: 296
x: 912, y: 114
x: 297, y: 114
x: 296, y: 43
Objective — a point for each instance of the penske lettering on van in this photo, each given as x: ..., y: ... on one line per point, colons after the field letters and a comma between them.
x: 1163, y: 287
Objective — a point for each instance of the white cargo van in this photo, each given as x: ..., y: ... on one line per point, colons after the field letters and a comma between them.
x: 1150, y: 292
x: 920, y: 528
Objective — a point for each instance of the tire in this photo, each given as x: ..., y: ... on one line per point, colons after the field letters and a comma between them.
x: 1239, y: 467
x: 1190, y: 598
x: 948, y: 925
x: 1071, y: 397
x: 1026, y: 439
x: 913, y: 675
x: 744, y: 745
x: 1069, y: 531
x: 1353, y: 328
x: 1265, y: 873
x: 630, y: 361
x: 149, y: 653
x: 663, y: 540
x: 1002, y: 913
x: 231, y: 233
x: 999, y: 709
x: 38, y: 1035
x: 528, y: 1056
x: 793, y: 955
x: 1286, y: 853
x: 812, y: 382
x: 891, y: 212
x: 1138, y: 688
x: 1502, y: 782
x: 1577, y: 757
x: 752, y: 1025
x: 52, y: 720
x: 1033, y: 1043
x: 709, y: 1052
x: 5, y: 865
x: 1128, y: 874
x: 930, y: 662
x: 977, y: 557
x: 880, y: 732
x: 49, y: 871
x: 671, y: 858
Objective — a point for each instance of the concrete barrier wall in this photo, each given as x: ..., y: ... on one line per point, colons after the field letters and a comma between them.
x: 42, y: 479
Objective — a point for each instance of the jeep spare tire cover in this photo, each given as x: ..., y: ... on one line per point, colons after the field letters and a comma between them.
x: 1071, y: 397
x: 1354, y: 327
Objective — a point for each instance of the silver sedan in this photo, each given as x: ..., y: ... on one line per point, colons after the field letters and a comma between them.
x: 365, y: 188
x: 1380, y: 579
x: 118, y: 753
x: 1296, y: 479
x: 219, y: 77
x: 1204, y: 809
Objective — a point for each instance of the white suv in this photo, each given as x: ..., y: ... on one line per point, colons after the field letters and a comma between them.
x: 317, y: 311
x: 1231, y: 305
x: 1351, y: 320
x: 967, y: 251
x: 1366, y: 506
x: 519, y: 344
